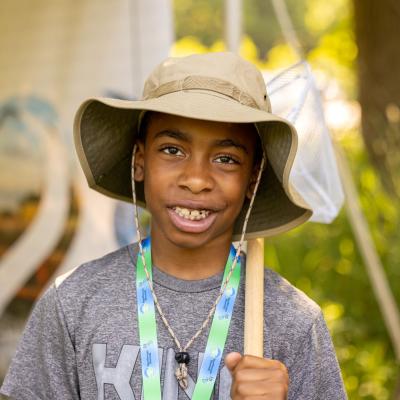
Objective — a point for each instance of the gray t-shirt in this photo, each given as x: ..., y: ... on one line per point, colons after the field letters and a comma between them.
x: 81, y: 341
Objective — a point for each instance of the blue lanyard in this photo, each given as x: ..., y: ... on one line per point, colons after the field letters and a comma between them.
x: 148, y: 330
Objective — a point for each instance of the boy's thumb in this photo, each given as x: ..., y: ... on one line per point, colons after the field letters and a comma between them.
x: 232, y: 359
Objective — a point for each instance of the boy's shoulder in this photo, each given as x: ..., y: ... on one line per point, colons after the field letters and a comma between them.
x: 109, y: 266
x: 290, y: 315
x: 106, y: 282
x: 100, y: 276
x: 286, y: 297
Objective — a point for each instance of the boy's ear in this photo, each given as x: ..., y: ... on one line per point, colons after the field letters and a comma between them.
x: 139, y: 162
x: 253, y: 180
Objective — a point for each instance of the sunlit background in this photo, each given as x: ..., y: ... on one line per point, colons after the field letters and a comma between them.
x: 54, y: 54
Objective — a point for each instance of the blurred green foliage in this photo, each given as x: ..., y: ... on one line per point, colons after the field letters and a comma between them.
x: 325, y: 30
x: 202, y: 19
x: 322, y: 260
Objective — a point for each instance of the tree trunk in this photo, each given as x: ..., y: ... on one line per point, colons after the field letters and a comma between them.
x: 377, y: 27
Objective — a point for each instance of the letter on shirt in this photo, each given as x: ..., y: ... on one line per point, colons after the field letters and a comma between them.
x: 118, y: 376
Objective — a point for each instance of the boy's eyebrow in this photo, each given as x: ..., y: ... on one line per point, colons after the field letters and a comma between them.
x: 179, y: 135
x: 230, y: 143
x: 175, y: 134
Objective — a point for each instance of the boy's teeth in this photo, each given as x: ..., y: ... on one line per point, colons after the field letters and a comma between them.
x: 192, y: 215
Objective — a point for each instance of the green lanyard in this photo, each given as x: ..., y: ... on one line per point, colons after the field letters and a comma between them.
x: 148, y: 330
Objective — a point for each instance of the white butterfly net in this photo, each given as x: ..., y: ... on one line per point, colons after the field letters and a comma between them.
x: 294, y: 96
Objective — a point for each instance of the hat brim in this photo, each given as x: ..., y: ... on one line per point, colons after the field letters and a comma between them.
x: 105, y: 130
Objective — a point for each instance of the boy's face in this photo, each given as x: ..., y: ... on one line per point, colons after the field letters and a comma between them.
x: 196, y: 176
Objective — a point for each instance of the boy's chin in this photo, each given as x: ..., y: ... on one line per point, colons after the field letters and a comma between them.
x: 194, y: 241
x: 190, y: 240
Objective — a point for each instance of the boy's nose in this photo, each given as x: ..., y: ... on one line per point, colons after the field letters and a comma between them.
x: 196, y: 177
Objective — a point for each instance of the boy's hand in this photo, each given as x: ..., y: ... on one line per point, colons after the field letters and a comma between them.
x: 257, y: 378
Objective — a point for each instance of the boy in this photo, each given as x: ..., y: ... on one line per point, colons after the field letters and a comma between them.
x: 137, y: 323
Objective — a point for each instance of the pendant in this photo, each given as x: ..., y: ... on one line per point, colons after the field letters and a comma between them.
x: 181, y: 374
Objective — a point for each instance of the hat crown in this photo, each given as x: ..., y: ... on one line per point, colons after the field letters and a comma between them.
x: 225, y: 73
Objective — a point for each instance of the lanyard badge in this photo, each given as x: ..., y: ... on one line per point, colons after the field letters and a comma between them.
x: 148, y: 329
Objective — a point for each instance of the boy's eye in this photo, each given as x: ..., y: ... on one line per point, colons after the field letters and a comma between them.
x: 226, y: 160
x: 172, y: 150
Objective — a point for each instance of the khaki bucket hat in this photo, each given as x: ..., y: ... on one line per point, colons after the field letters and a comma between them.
x: 216, y: 87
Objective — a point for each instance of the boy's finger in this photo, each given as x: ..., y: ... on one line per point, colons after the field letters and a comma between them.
x: 248, y: 361
x: 260, y: 374
x: 262, y: 390
x: 232, y: 359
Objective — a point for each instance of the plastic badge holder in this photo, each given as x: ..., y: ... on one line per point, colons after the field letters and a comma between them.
x: 315, y: 174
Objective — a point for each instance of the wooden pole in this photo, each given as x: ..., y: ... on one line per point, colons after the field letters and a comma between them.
x: 254, y: 299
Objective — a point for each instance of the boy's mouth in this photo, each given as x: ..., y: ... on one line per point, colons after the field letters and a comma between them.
x: 191, y: 214
x: 191, y: 220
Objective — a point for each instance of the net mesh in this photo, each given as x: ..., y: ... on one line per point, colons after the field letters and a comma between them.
x: 294, y: 96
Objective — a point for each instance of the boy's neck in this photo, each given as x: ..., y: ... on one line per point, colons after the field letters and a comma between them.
x: 190, y: 263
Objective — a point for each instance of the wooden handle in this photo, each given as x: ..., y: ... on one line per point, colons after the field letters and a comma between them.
x: 254, y: 299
